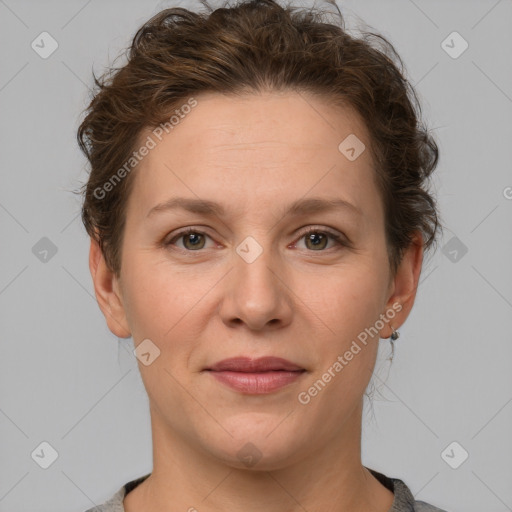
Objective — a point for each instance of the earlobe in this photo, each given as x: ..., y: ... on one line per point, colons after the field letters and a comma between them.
x: 107, y: 292
x: 404, y: 285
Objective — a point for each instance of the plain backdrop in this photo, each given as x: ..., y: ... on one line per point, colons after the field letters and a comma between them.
x: 67, y: 382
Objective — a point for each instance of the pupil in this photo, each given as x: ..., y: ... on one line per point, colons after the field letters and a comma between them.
x: 318, y: 237
x: 193, y: 238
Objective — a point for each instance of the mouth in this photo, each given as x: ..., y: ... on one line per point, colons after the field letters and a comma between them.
x: 256, y: 376
x: 248, y: 365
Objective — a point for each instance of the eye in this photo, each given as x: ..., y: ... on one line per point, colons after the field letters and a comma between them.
x: 317, y: 239
x: 193, y: 239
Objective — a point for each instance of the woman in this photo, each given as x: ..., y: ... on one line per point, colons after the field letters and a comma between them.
x: 258, y: 213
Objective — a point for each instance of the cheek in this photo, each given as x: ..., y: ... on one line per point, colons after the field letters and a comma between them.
x: 349, y: 307
x: 151, y: 302
x: 163, y: 302
x: 346, y: 300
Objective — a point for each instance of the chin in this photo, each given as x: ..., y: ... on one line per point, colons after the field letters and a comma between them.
x: 262, y: 446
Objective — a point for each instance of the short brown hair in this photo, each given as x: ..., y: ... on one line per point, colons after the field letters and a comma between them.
x: 258, y: 46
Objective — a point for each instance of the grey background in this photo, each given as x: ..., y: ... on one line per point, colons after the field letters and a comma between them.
x: 65, y: 379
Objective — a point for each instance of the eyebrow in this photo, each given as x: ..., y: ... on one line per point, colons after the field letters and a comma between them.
x: 211, y: 208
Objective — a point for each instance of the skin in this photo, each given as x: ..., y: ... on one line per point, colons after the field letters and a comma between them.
x: 255, y: 155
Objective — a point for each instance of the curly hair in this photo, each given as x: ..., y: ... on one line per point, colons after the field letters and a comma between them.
x: 258, y: 46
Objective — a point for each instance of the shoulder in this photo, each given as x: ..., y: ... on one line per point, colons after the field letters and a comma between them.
x: 405, y: 502
x: 115, y: 503
x: 404, y: 499
x: 421, y: 506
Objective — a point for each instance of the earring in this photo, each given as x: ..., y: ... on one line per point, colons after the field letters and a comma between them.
x: 394, y: 336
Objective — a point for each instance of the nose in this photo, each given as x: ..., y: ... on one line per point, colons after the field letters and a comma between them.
x: 256, y: 294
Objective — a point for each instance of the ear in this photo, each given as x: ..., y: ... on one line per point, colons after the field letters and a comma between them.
x: 403, y: 286
x: 107, y: 290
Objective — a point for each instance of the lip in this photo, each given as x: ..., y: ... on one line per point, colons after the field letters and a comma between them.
x: 249, y: 365
x: 256, y: 376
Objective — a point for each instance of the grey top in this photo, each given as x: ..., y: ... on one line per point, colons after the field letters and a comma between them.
x: 404, y: 500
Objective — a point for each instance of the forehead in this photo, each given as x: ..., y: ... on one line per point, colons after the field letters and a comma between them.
x: 290, y: 118
x: 240, y: 147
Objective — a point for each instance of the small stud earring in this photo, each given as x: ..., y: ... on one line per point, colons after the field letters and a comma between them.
x: 394, y: 335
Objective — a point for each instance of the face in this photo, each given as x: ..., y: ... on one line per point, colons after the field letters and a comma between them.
x: 288, y: 260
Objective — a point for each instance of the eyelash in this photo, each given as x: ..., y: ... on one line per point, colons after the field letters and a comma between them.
x: 340, y: 242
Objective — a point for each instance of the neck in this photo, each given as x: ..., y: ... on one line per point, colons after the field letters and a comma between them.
x: 184, y: 478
